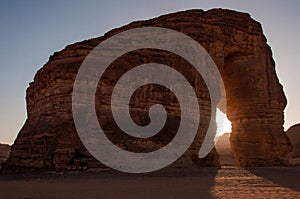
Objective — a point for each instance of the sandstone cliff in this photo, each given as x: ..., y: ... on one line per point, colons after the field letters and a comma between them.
x: 255, y: 99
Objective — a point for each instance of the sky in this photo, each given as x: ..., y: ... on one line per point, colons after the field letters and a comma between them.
x: 30, y: 31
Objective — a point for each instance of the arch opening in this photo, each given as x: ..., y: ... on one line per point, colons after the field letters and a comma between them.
x: 222, y: 142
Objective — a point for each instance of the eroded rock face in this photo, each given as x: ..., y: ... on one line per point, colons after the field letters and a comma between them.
x: 294, y: 135
x: 255, y: 99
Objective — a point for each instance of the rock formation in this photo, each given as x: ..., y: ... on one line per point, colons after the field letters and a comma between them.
x: 294, y: 135
x: 4, y: 152
x: 255, y: 98
x: 224, y: 150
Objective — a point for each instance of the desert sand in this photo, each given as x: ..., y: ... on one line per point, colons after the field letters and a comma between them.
x: 225, y: 182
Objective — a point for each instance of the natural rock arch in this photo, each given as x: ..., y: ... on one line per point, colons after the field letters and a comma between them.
x: 255, y: 99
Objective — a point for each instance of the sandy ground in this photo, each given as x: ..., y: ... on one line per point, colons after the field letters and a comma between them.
x: 225, y: 182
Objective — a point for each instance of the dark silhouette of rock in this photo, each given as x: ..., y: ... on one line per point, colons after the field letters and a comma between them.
x: 4, y: 152
x: 255, y: 98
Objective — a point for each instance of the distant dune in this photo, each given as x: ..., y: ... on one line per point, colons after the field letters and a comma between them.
x: 224, y: 150
x: 294, y: 135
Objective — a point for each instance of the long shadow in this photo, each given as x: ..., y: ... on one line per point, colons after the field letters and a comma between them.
x: 288, y: 177
x: 180, y: 183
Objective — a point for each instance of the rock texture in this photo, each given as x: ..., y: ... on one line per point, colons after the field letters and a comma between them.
x: 255, y: 99
x: 224, y: 150
x: 294, y: 135
x: 4, y: 152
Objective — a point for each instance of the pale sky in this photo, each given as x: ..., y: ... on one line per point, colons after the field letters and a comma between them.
x: 33, y: 30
